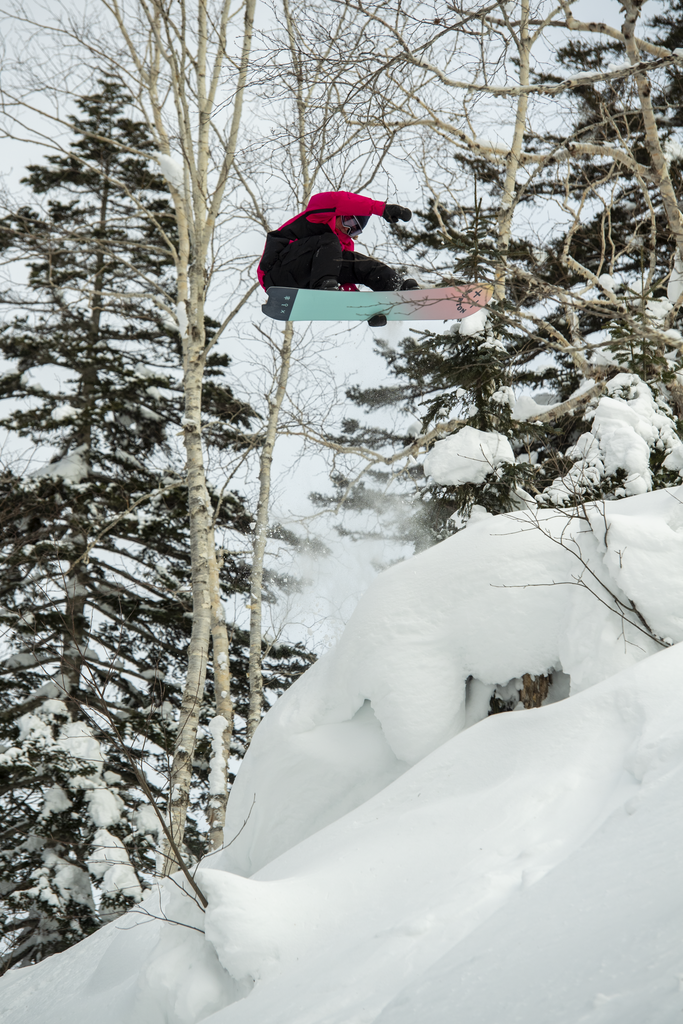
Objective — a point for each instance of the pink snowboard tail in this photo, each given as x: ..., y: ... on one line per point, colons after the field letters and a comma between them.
x: 454, y: 303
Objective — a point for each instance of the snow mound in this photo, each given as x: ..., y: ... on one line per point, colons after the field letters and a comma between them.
x: 608, y: 282
x: 398, y: 862
x: 675, y: 287
x: 64, y: 412
x: 71, y: 468
x: 555, y: 830
x: 475, y: 323
x: 467, y: 457
x: 173, y: 172
x: 426, y: 870
x: 432, y: 638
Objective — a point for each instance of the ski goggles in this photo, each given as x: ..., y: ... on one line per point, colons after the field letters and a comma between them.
x: 353, y: 224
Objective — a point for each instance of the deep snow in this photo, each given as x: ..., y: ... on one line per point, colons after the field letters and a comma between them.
x: 396, y: 866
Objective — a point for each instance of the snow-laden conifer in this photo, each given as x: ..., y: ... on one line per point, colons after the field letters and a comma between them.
x: 95, y: 599
x: 579, y: 363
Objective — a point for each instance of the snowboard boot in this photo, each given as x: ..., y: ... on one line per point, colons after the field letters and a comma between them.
x: 327, y: 284
x: 378, y: 320
x: 409, y: 285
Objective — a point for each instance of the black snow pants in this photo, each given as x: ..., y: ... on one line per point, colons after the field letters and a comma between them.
x: 306, y: 261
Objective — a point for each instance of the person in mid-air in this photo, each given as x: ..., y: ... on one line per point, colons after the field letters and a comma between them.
x: 315, y: 249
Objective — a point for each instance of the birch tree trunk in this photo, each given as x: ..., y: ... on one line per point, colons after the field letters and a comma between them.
x: 181, y: 59
x: 306, y: 76
x: 261, y: 535
x: 660, y: 166
x: 222, y: 725
x: 507, y: 205
x: 201, y: 532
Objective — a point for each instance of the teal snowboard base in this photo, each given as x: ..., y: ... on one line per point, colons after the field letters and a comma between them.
x: 454, y: 303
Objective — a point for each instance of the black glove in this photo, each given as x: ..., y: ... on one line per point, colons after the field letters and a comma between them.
x: 394, y: 213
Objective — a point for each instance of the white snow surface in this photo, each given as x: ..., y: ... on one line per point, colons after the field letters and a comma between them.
x: 72, y: 468
x: 527, y: 408
x: 674, y: 288
x: 183, y: 323
x: 218, y: 765
x: 105, y: 807
x: 55, y: 801
x: 475, y: 323
x: 673, y: 150
x: 64, y: 412
x: 398, y: 867
x: 172, y: 170
x: 608, y: 282
x: 109, y: 862
x: 467, y: 457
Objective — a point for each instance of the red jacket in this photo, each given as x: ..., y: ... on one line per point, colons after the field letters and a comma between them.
x: 324, y: 208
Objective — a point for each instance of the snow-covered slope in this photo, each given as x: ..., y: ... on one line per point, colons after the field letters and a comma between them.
x: 509, y: 595
x: 524, y: 869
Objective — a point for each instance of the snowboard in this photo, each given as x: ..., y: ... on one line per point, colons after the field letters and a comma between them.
x: 454, y: 303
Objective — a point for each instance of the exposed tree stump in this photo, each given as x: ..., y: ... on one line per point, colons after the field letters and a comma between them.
x: 498, y: 706
x: 534, y: 691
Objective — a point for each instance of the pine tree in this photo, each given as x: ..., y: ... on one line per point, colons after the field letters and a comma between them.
x: 627, y: 244
x: 631, y: 363
x: 95, y: 594
x: 464, y: 377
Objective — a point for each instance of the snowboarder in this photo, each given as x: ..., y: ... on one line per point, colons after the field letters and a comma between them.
x: 315, y: 249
